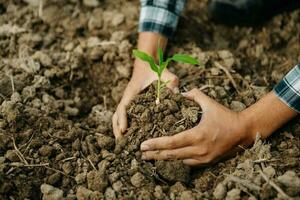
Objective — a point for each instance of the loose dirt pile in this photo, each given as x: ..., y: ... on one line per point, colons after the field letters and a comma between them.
x: 63, y: 69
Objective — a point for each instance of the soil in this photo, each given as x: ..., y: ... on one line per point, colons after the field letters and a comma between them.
x: 63, y: 71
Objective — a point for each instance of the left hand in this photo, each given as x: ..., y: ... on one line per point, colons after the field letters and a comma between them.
x: 219, y: 133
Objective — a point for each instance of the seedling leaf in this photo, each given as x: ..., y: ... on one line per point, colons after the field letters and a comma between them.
x: 160, y: 56
x: 185, y: 59
x: 145, y: 57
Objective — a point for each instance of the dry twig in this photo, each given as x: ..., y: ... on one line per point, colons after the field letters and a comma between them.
x: 19, y: 154
x: 217, y: 64
x: 273, y: 184
x: 245, y: 183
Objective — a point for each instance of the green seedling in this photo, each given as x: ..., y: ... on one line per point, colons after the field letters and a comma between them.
x: 162, y: 64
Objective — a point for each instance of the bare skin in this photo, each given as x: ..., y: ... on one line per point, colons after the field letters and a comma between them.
x: 220, y: 131
x: 141, y: 78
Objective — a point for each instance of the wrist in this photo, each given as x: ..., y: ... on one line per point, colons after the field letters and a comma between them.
x: 266, y: 116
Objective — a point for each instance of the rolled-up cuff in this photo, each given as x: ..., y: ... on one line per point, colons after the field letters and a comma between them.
x: 288, y: 89
x: 160, y: 16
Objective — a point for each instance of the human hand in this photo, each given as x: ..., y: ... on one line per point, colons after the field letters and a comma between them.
x: 142, y: 77
x: 220, y: 132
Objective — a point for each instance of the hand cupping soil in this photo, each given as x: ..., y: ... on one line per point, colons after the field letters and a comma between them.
x: 149, y: 120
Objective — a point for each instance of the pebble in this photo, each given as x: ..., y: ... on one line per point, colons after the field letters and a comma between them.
x: 137, y: 179
x: 91, y: 3
x: 51, y: 193
x: 110, y: 194
x: 290, y: 179
x: 233, y: 194
x: 220, y: 191
x: 187, y: 195
x: 118, y: 19
x: 80, y: 178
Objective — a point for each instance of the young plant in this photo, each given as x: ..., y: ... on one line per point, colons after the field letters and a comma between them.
x: 162, y: 65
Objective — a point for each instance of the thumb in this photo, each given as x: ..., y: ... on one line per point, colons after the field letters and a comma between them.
x: 197, y: 96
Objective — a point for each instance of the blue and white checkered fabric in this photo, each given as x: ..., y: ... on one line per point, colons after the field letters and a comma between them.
x: 288, y: 89
x: 160, y: 16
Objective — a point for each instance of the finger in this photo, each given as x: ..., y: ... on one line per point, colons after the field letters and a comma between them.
x: 174, y: 154
x: 116, y: 129
x: 168, y: 142
x: 200, y: 161
x: 122, y: 119
x: 191, y: 162
x: 197, y: 96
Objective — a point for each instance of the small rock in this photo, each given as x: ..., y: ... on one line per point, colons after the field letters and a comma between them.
x: 233, y: 194
x: 80, y: 178
x: 11, y: 155
x: 43, y: 58
x: 93, y: 42
x: 16, y: 97
x: 123, y: 70
x: 84, y: 194
x: 110, y: 194
x: 46, y: 151
x: 51, y: 193
x: 221, y: 92
x: 53, y: 179
x: 97, y: 181
x: 173, y: 170
x: 67, y: 167
x: 96, y: 53
x: 220, y: 191
x: 117, y: 186
x: 113, y: 177
x: 269, y: 171
x: 118, y: 19
x: 159, y: 193
x: 91, y: 3
x: 137, y: 179
x: 237, y: 106
x: 71, y: 111
x: 187, y: 195
x: 105, y: 142
x: 290, y: 179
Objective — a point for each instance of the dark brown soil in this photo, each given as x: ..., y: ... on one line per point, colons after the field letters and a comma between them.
x: 63, y: 73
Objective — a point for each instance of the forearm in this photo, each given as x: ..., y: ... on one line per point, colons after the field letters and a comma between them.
x: 267, y: 115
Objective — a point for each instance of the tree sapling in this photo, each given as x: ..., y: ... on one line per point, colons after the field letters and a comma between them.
x: 162, y: 65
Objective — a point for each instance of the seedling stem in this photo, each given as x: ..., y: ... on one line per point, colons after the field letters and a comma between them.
x: 162, y: 65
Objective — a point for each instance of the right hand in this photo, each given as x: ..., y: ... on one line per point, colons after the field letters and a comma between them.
x: 142, y: 77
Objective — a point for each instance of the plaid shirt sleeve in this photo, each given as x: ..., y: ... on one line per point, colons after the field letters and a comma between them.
x: 288, y: 89
x: 160, y: 16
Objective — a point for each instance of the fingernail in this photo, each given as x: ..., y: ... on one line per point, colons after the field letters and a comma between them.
x: 144, y: 147
x: 143, y: 157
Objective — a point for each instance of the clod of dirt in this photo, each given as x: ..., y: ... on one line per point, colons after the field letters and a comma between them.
x: 11, y: 155
x: 110, y: 194
x: 104, y: 141
x: 84, y: 194
x: 91, y: 3
x: 173, y: 170
x: 137, y: 180
x: 46, y: 150
x: 51, y: 193
x: 233, y: 194
x: 220, y: 191
x: 97, y: 181
x: 291, y: 182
